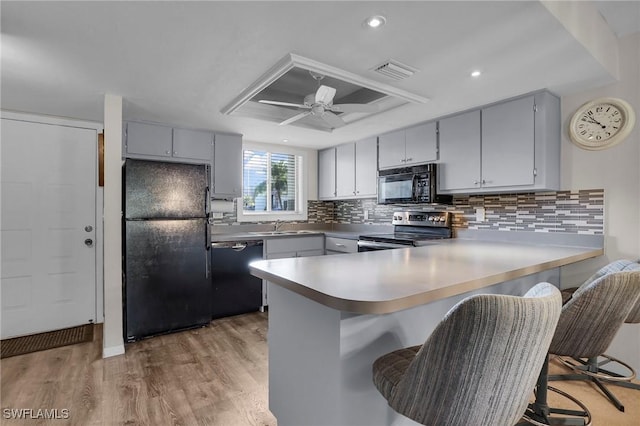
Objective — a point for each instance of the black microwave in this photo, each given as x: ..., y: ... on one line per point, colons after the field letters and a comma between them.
x: 410, y: 185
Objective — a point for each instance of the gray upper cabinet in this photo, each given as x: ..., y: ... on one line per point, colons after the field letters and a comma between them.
x: 148, y: 140
x: 345, y: 170
x: 510, y: 146
x: 159, y: 142
x: 165, y: 143
x: 327, y: 174
x: 366, y: 172
x: 348, y: 171
x: 459, y: 168
x: 421, y: 144
x: 408, y: 147
x: 193, y: 144
x: 391, y: 150
x: 227, y: 166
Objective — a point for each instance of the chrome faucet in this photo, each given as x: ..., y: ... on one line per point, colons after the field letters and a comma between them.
x: 277, y: 224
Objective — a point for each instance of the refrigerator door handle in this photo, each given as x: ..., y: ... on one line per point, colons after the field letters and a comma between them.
x: 207, y: 243
x: 207, y: 255
x: 207, y: 202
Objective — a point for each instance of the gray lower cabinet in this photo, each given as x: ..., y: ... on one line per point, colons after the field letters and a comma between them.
x: 283, y: 248
x: 512, y: 146
x: 227, y: 166
x: 165, y: 143
x: 408, y: 147
x: 278, y: 248
x: 334, y: 245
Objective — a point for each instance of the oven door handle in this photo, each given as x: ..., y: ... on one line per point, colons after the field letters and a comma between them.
x: 381, y: 246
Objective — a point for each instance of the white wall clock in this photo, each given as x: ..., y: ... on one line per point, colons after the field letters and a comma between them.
x: 601, y: 123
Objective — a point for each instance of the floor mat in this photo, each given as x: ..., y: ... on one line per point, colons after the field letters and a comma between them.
x: 48, y: 340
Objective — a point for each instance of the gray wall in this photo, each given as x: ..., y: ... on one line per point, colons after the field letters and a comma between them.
x: 617, y: 171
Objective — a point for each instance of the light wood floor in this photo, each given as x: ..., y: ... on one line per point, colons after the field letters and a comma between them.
x: 215, y: 375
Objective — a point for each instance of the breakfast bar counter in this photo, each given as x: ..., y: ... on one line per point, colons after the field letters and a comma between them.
x: 330, y: 317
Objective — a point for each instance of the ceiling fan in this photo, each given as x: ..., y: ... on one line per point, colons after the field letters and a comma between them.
x: 320, y: 104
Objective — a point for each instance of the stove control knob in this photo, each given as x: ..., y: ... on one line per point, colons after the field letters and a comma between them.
x: 442, y: 219
x: 431, y: 218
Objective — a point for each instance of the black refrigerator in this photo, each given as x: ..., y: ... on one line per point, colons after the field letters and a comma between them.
x: 167, y: 284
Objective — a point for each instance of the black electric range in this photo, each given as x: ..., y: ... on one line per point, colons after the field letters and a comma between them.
x: 411, y: 229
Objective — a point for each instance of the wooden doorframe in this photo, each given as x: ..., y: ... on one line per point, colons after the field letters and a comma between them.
x: 99, y: 252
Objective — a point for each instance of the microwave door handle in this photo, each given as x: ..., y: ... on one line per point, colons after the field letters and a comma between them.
x: 414, y: 188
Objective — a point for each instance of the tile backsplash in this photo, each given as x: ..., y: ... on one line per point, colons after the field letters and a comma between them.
x: 576, y: 211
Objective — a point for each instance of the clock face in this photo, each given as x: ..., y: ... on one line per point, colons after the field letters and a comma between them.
x: 601, y: 123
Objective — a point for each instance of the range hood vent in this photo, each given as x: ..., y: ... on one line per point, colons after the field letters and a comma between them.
x: 395, y: 70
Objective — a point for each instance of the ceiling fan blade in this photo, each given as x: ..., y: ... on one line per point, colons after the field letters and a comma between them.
x: 325, y: 95
x: 354, y: 108
x: 284, y: 104
x: 295, y: 118
x: 333, y: 120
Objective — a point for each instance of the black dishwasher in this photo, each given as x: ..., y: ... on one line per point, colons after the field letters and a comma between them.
x: 235, y: 290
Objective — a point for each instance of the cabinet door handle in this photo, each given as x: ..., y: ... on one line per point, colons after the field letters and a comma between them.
x: 340, y: 245
x: 167, y: 152
x: 409, y: 159
x: 475, y: 182
x: 175, y: 152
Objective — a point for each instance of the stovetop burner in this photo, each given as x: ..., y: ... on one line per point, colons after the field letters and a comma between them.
x: 413, y: 228
x: 406, y: 238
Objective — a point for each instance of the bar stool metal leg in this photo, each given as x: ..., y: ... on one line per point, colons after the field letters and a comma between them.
x: 540, y: 414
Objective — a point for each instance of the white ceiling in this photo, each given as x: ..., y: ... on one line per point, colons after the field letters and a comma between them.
x: 182, y: 62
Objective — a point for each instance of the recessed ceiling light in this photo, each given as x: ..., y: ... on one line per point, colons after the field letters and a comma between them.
x: 375, y: 21
x: 285, y: 140
x: 476, y: 73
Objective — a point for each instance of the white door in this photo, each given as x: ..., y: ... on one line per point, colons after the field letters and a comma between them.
x: 48, y: 183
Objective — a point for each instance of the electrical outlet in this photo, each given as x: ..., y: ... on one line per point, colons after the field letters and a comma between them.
x: 480, y: 216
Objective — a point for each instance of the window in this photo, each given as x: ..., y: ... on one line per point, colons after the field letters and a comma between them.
x: 272, y: 186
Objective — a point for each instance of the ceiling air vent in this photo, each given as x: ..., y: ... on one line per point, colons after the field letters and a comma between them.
x: 395, y: 70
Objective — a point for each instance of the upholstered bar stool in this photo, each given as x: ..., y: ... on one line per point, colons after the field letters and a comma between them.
x: 593, y: 368
x: 588, y: 323
x: 479, y: 365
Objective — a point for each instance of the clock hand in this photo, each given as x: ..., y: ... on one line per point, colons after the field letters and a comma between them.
x: 593, y: 120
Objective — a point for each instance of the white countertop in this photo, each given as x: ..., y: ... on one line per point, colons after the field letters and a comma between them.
x: 392, y: 280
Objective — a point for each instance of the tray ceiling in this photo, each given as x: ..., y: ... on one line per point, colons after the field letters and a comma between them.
x: 183, y: 63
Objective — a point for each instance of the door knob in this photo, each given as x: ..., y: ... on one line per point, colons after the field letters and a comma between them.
x: 88, y: 242
x: 88, y: 228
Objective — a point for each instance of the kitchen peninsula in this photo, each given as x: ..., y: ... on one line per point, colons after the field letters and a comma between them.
x: 330, y: 317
